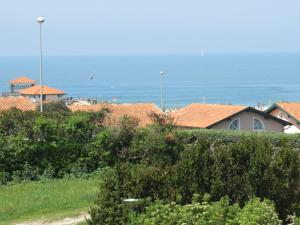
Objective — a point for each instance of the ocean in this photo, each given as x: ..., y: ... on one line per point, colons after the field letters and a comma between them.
x: 246, y: 79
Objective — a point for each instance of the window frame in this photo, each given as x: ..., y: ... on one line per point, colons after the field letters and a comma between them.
x: 261, y: 122
x: 239, y: 124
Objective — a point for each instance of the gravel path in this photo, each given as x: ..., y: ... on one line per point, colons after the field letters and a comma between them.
x: 66, y: 221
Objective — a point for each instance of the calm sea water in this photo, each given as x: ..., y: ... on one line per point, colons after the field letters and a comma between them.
x: 213, y: 78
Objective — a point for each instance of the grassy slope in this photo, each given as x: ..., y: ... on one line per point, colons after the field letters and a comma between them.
x: 44, y: 200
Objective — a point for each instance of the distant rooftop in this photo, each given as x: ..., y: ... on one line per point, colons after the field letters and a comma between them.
x: 204, y: 115
x: 22, y: 103
x: 292, y: 108
x: 22, y: 80
x: 35, y: 90
x: 141, y: 111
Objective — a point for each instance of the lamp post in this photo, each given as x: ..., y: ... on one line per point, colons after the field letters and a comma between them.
x: 41, y: 20
x: 162, y: 74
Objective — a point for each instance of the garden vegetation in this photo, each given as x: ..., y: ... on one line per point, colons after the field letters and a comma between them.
x: 46, y: 200
x: 163, y: 167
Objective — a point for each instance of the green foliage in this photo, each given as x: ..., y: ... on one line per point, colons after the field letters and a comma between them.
x: 256, y: 213
x: 55, y: 107
x: 109, y: 208
x: 283, y: 173
x: 49, y: 145
x: 156, y: 163
x: 15, y: 121
x: 297, y: 222
x: 208, y: 213
x: 249, y: 166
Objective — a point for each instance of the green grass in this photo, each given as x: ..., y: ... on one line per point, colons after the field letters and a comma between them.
x: 46, y: 200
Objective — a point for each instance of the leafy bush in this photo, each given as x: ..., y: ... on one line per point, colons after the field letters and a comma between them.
x: 250, y: 166
x: 31, y: 143
x: 157, y: 162
x: 109, y: 208
x: 55, y: 107
x: 297, y: 222
x: 213, y: 213
x: 256, y: 212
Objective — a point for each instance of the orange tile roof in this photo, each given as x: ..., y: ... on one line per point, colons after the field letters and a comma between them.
x: 22, y: 80
x: 20, y: 102
x: 292, y: 108
x: 140, y: 111
x: 35, y: 90
x: 203, y: 115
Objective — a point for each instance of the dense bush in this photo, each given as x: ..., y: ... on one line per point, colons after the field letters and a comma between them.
x: 213, y: 213
x: 55, y: 107
x: 155, y: 163
x: 53, y: 143
x: 250, y: 166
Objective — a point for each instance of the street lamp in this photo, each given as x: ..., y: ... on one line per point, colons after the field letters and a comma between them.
x: 41, y: 20
x: 162, y: 74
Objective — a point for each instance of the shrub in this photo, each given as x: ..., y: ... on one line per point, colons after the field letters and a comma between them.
x: 213, y: 213
x: 109, y: 208
x: 257, y: 212
x: 55, y: 107
x: 54, y: 138
x: 251, y: 166
x: 158, y: 162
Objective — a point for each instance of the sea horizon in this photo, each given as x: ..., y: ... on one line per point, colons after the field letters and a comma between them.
x: 228, y: 78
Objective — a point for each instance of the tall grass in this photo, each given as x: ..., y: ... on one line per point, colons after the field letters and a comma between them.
x: 46, y: 199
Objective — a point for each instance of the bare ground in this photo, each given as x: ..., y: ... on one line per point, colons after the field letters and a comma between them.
x: 65, y: 221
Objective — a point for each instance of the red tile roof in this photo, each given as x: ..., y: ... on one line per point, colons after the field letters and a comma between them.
x: 141, y: 111
x: 292, y: 108
x: 22, y: 80
x: 203, y: 115
x: 21, y: 103
x: 35, y: 90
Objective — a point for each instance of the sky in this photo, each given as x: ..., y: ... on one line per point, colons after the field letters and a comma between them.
x: 101, y: 27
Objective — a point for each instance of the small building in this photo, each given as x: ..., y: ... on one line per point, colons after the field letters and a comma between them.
x: 49, y: 94
x: 226, y: 117
x: 77, y: 102
x: 289, y: 111
x: 19, y: 102
x: 19, y: 84
x: 141, y: 112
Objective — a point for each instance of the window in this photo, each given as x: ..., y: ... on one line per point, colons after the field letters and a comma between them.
x: 234, y: 125
x: 258, y: 125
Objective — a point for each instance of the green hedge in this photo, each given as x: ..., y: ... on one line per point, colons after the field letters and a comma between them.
x: 173, y: 169
x: 61, y: 142
x: 157, y: 162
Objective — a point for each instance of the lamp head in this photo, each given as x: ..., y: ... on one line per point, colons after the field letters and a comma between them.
x: 40, y: 19
x: 162, y: 73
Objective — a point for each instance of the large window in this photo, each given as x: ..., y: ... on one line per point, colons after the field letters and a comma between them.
x: 234, y: 125
x: 258, y: 125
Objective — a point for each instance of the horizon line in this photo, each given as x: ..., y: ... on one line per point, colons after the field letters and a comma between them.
x: 156, y: 54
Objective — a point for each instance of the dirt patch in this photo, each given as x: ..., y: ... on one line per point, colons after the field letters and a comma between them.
x: 65, y: 221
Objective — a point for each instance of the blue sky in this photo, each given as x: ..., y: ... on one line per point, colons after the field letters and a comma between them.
x: 83, y: 27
